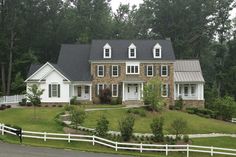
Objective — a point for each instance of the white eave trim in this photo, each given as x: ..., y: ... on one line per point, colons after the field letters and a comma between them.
x: 54, y: 69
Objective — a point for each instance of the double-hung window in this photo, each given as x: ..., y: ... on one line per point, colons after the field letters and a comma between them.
x: 54, y: 90
x: 132, y: 68
x: 164, y: 70
x: 150, y: 70
x: 164, y: 90
x: 100, y: 87
x: 100, y: 70
x: 115, y: 70
x: 114, y: 90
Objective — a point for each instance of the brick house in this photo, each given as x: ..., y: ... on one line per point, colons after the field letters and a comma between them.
x: 124, y: 66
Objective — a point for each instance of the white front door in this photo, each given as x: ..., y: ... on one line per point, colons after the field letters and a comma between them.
x: 132, y: 92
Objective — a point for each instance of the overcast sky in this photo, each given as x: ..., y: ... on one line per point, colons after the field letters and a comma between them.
x: 115, y: 4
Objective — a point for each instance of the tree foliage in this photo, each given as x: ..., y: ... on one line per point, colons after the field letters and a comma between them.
x: 126, y: 127
x: 152, y: 94
x: 102, y: 126
x: 77, y: 117
x: 157, y: 129
x: 179, y: 126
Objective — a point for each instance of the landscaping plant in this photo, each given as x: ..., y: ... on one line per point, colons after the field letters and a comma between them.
x: 77, y: 117
x: 33, y: 96
x: 157, y: 129
x: 105, y: 96
x: 152, y: 94
x: 179, y: 126
x: 102, y: 126
x: 126, y: 127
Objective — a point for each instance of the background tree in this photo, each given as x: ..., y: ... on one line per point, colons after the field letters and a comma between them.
x: 152, y: 94
x: 33, y: 96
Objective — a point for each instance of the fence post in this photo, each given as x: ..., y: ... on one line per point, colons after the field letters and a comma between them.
x: 45, y: 136
x: 116, y: 146
x: 2, y: 129
x: 212, y: 150
x: 141, y: 147
x: 187, y: 150
x: 69, y: 138
x: 93, y: 141
x: 166, y: 149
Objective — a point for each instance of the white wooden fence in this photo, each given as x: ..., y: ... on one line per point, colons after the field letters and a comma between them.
x: 141, y: 147
x: 233, y: 120
x: 11, y: 99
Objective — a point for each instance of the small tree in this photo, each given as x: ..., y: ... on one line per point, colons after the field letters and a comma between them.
x: 179, y: 104
x: 152, y: 94
x: 126, y: 127
x: 77, y: 117
x: 102, y: 126
x: 33, y: 96
x: 157, y: 129
x: 179, y: 126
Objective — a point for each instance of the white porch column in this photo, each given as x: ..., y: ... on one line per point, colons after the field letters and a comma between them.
x: 142, y: 90
x: 123, y: 91
x: 90, y: 92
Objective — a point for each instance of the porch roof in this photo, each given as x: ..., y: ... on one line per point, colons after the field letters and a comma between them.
x: 133, y: 80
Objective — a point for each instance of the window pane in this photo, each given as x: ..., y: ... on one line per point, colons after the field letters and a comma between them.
x: 149, y: 70
x: 86, y: 90
x: 164, y: 70
x: 100, y: 71
x: 193, y: 90
x: 164, y: 90
x: 114, y: 70
x: 54, y: 90
x: 185, y: 90
x: 136, y: 69
x: 114, y: 91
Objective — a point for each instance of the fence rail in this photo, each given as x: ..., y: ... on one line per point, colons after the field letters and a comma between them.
x: 233, y: 120
x: 11, y: 99
x: 141, y: 147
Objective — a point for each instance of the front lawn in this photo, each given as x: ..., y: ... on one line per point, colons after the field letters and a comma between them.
x: 196, y: 124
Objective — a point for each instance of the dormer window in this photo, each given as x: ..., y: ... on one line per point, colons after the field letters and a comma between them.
x: 157, y: 51
x: 107, y: 51
x: 132, y: 51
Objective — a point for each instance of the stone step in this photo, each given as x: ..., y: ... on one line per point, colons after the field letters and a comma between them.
x: 133, y: 102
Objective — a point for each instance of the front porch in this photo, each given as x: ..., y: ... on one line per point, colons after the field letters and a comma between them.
x: 82, y: 91
x: 189, y: 91
x: 132, y: 90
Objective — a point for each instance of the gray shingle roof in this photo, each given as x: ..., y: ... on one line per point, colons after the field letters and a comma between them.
x: 188, y: 71
x: 33, y: 69
x: 73, y: 61
x: 119, y: 49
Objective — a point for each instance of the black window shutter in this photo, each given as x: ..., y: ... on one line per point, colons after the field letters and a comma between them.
x: 154, y: 70
x: 59, y: 90
x: 96, y: 89
x: 160, y: 70
x: 168, y: 90
x: 111, y: 71
x: 96, y: 70
x: 168, y: 70
x: 119, y: 70
x: 49, y: 90
x: 104, y: 70
x: 120, y: 90
x: 145, y: 70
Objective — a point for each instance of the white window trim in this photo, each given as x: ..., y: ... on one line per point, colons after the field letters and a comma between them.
x: 103, y: 85
x: 107, y: 46
x: 166, y: 70
x: 132, y: 64
x: 147, y: 71
x: 117, y: 90
x: 166, y: 90
x: 157, y: 46
x: 117, y: 71
x: 52, y: 90
x: 98, y: 70
x: 132, y: 46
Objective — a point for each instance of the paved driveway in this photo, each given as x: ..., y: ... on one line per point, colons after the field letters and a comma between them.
x: 13, y: 150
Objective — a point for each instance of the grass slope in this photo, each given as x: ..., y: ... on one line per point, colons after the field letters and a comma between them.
x: 196, y: 124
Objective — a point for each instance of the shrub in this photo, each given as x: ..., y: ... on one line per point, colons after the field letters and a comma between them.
x: 60, y: 105
x: 105, y: 96
x: 96, y: 100
x: 157, y: 129
x: 23, y: 102
x: 170, y: 140
x: 179, y: 104
x: 178, y: 126
x: 171, y: 107
x: 126, y: 127
x: 186, y: 138
x: 102, y: 126
x: 139, y: 111
x: 77, y: 116
x: 113, y: 101
x: 69, y: 107
x: 119, y: 100
x: 74, y: 101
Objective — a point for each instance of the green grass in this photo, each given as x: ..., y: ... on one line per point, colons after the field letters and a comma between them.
x: 25, y: 118
x: 196, y: 124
